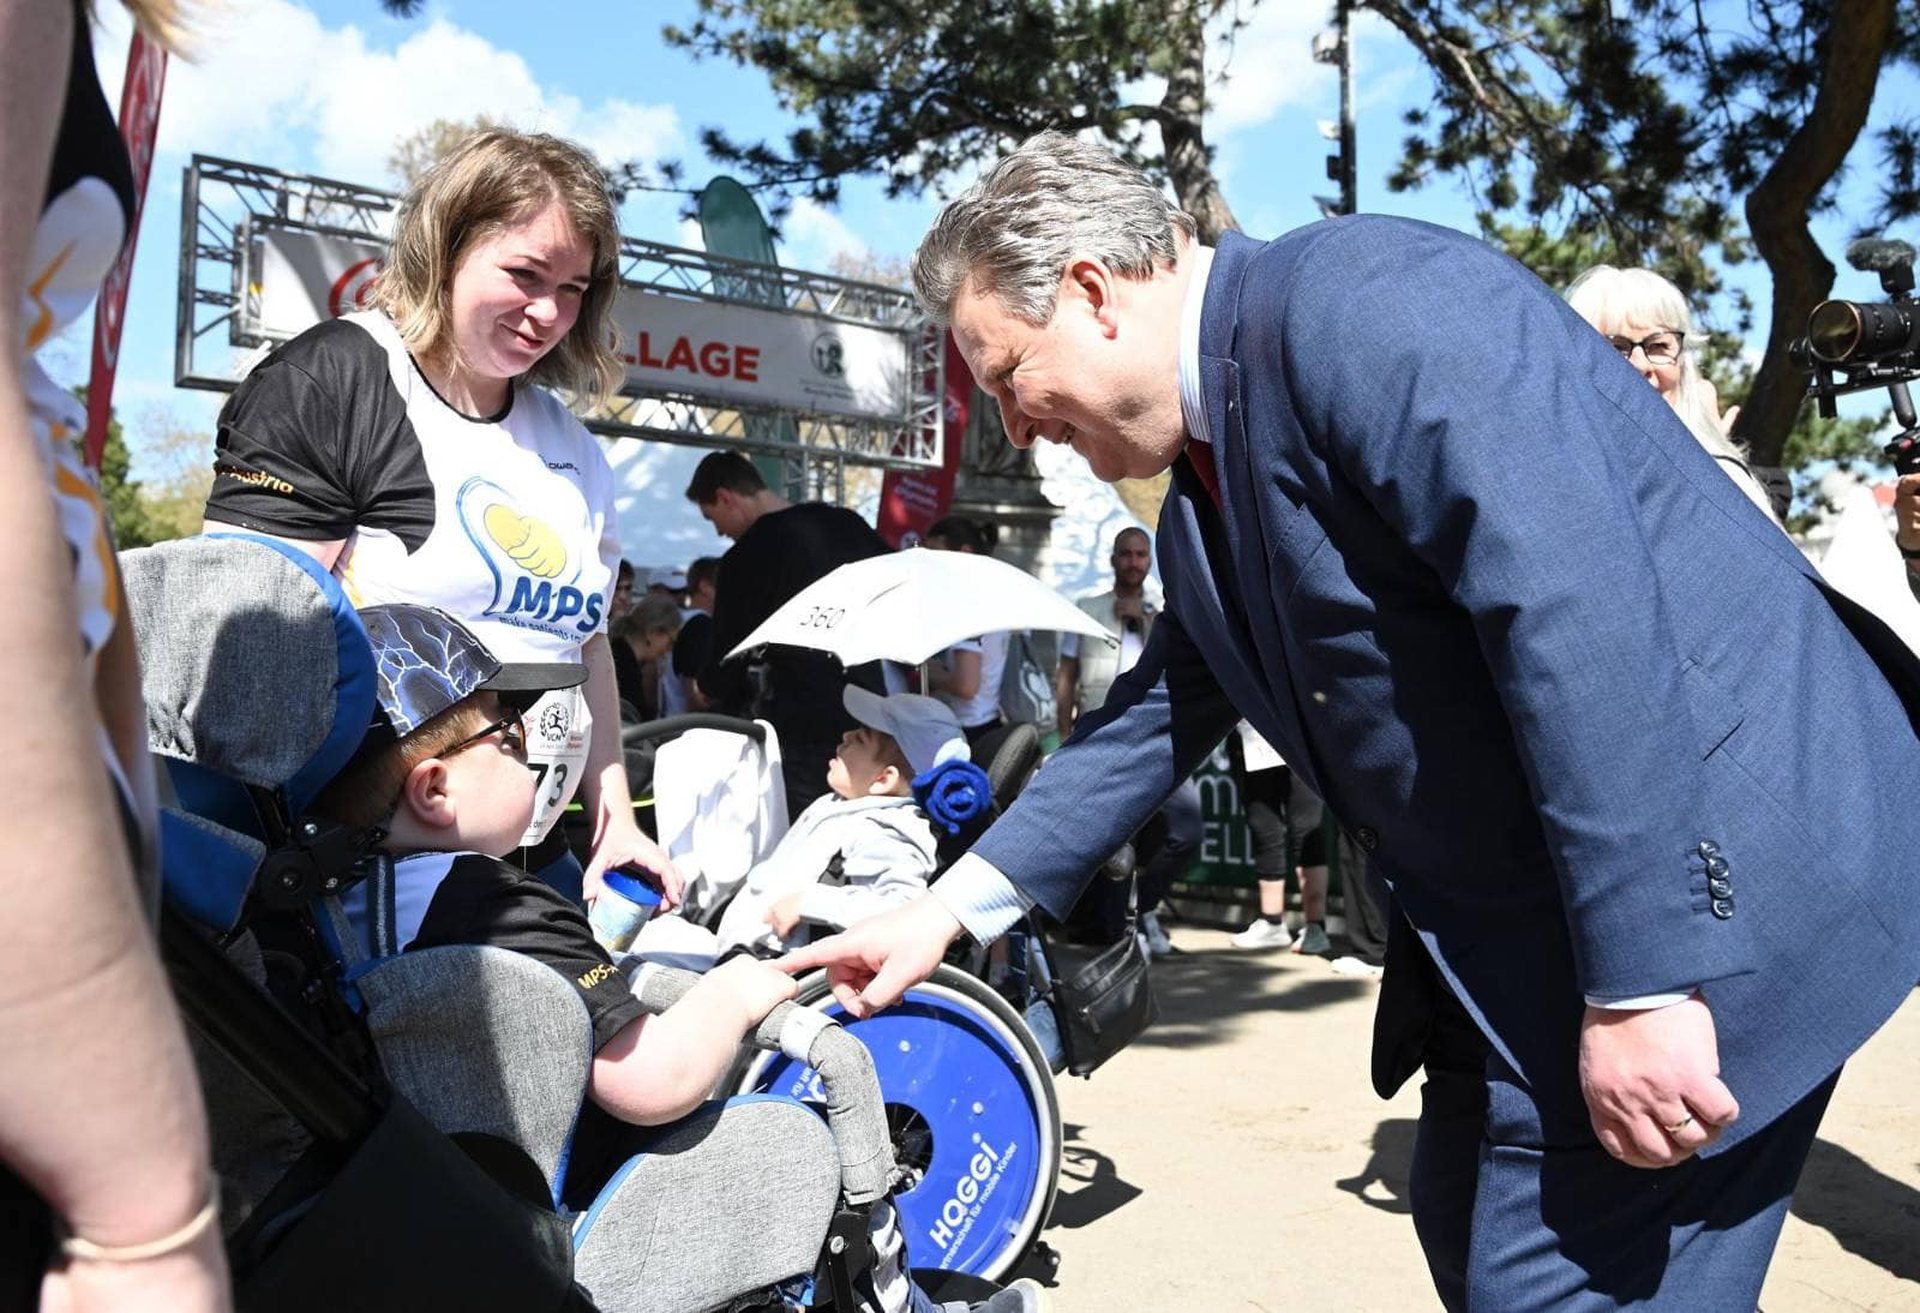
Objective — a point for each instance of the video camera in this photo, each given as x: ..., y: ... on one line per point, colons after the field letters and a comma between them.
x: 1853, y: 346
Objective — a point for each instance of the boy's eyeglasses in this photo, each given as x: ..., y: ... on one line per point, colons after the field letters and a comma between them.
x: 1659, y: 348
x: 511, y: 729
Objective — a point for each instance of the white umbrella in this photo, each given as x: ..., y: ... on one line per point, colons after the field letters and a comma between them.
x: 908, y: 606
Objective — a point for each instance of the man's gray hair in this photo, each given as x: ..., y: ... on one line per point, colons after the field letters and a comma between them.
x: 1053, y: 200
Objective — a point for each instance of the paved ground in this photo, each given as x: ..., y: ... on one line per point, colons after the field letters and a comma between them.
x: 1235, y: 1158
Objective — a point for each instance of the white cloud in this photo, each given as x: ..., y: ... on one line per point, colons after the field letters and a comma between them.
x: 812, y: 235
x: 1270, y: 66
x: 272, y: 85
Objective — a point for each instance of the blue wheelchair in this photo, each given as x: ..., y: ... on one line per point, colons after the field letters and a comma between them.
x: 384, y: 1143
x: 966, y: 1068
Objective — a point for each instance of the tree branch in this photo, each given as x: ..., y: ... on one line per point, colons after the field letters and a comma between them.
x: 1857, y: 40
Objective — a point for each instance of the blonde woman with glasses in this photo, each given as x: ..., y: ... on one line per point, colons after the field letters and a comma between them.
x: 1647, y: 320
x: 106, y: 1197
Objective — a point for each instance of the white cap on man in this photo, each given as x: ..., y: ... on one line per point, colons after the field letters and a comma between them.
x: 925, y: 728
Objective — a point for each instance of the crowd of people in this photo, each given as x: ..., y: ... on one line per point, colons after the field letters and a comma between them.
x: 1575, y: 773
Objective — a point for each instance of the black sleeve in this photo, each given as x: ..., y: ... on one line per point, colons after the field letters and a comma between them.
x: 693, y: 646
x: 317, y: 442
x: 628, y: 678
x: 485, y: 901
x: 275, y: 463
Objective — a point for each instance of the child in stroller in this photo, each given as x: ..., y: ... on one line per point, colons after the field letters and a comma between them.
x: 440, y: 786
x: 865, y: 845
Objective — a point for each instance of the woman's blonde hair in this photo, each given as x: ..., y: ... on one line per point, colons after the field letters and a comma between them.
x: 161, y: 20
x: 1610, y: 298
x: 493, y: 180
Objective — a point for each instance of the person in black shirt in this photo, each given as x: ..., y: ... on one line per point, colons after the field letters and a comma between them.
x: 778, y: 549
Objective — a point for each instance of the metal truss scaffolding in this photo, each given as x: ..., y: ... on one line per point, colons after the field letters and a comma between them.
x: 223, y: 203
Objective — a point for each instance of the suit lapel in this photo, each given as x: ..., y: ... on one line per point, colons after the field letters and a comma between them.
x: 1214, y: 557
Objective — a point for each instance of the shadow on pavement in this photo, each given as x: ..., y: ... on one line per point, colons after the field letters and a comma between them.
x: 1201, y: 994
x: 1090, y: 1185
x: 1382, y: 1183
x: 1871, y: 1214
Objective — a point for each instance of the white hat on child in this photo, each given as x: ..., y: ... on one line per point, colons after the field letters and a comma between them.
x: 925, y: 728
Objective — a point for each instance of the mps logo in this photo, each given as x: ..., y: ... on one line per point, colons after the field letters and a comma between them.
x: 535, y: 581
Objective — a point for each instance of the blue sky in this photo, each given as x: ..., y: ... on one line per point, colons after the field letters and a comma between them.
x: 328, y: 86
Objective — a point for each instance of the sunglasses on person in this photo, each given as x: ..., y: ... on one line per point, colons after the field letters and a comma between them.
x: 511, y: 729
x: 1659, y: 348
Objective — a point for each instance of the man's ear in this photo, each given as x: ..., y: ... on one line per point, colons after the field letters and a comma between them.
x: 1093, y: 283
x: 426, y: 796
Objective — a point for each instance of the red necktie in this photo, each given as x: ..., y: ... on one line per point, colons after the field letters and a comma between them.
x: 1200, y: 456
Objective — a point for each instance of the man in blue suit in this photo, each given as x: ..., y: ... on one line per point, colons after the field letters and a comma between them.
x: 1641, y: 784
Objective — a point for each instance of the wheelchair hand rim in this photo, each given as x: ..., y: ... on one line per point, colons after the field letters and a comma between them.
x: 948, y: 1224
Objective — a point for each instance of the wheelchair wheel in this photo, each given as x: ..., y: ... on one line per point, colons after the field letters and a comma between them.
x: 975, y: 1120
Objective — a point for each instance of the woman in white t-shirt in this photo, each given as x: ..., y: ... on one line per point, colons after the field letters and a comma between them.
x: 414, y: 451
x: 967, y: 675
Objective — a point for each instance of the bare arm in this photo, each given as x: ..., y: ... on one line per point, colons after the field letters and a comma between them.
x: 325, y: 551
x: 962, y: 678
x: 658, y: 1069
x: 99, y: 1107
x: 604, y: 791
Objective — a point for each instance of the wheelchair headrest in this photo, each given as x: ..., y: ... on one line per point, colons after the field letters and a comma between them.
x: 1010, y: 753
x: 254, y: 665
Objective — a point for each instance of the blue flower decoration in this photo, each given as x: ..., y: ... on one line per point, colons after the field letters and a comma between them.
x: 953, y: 794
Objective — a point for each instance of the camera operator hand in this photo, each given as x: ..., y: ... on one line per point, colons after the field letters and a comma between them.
x: 1906, y: 517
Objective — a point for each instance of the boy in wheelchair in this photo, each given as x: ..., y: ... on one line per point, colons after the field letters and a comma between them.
x: 440, y: 786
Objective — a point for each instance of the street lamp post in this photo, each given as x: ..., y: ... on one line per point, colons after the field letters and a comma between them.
x: 1335, y: 46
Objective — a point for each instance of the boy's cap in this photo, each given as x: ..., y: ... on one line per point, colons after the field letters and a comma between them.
x: 425, y: 662
x: 925, y: 728
x: 670, y: 577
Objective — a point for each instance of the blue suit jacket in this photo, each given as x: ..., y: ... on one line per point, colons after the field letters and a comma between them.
x: 1598, y: 723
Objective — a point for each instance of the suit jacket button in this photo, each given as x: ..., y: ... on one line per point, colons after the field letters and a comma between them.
x: 1366, y: 837
x: 1723, y: 908
x: 1720, y: 887
x: 1717, y: 867
x: 1708, y: 848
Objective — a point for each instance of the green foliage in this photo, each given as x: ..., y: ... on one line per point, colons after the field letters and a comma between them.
x: 1685, y: 135
x: 141, y: 513
x: 919, y: 90
x: 119, y: 492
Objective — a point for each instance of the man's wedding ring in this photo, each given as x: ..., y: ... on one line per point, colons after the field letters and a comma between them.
x: 1680, y: 1125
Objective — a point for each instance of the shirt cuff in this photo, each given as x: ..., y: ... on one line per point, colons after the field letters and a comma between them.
x: 1643, y: 1003
x: 981, y: 899
x: 824, y: 905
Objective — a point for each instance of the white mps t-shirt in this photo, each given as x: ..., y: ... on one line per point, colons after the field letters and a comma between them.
x: 504, y: 522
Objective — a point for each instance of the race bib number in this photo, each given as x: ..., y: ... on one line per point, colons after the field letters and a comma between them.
x: 558, y: 729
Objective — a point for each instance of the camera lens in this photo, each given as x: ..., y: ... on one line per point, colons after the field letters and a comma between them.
x: 1843, y: 331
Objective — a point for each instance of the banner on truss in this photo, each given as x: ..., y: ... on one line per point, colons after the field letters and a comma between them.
x: 724, y: 351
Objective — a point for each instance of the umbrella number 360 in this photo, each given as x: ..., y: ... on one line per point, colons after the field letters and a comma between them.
x: 824, y: 617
